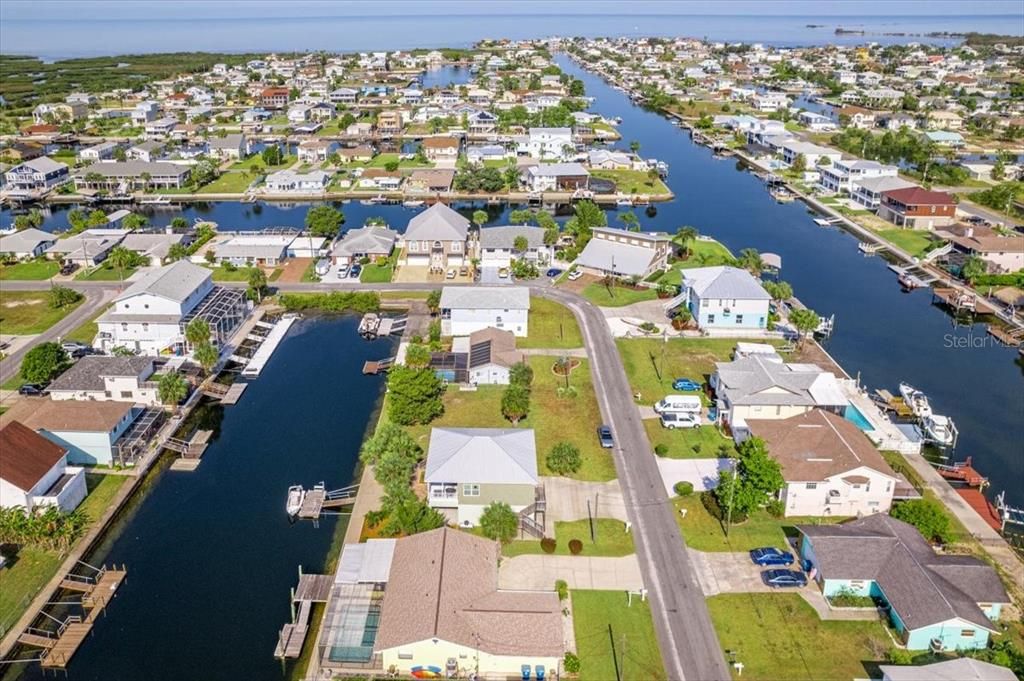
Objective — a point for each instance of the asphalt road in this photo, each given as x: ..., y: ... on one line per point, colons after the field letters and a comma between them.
x: 686, y: 635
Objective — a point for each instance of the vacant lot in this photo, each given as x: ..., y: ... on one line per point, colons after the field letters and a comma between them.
x: 613, y: 639
x: 616, y: 295
x: 34, y: 270
x: 551, y: 325
x: 29, y: 312
x: 611, y: 539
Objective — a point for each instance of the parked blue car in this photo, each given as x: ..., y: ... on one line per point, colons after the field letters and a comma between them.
x: 685, y: 384
x: 769, y: 555
x: 784, y: 578
x: 553, y: 272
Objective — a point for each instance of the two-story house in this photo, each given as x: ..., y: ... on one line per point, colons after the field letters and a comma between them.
x: 88, y: 430
x: 868, y: 191
x: 441, y: 148
x: 274, y: 97
x: 36, y: 176
x: 468, y: 309
x: 498, y: 246
x: 34, y: 471
x: 829, y: 465
x: 102, y: 377
x: 554, y: 177
x: 469, y: 468
x: 547, y: 144
x: 621, y: 253
x: 841, y: 175
x: 917, y: 208
x: 436, y: 238
x: 723, y: 297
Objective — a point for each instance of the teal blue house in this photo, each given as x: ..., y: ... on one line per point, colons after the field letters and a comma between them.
x: 947, y: 602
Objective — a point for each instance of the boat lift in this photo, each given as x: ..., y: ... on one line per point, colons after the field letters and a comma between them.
x: 1008, y: 514
x: 320, y: 501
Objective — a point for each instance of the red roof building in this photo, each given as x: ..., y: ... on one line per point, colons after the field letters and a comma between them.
x: 917, y: 208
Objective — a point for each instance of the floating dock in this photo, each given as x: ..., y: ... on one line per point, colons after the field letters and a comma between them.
x: 227, y: 394
x: 259, y: 359
x: 373, y: 325
x: 191, y: 450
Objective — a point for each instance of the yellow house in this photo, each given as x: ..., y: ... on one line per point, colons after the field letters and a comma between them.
x: 443, y: 614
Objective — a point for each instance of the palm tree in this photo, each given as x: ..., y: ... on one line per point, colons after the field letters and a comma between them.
x: 750, y: 260
x: 479, y: 218
x: 685, y: 236
x: 121, y: 259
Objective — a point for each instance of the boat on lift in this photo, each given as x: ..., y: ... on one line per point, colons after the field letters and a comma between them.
x: 296, y: 495
x: 939, y: 429
x: 916, y: 400
x: 624, y: 202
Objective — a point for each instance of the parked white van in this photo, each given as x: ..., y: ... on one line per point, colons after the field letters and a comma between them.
x: 680, y: 419
x: 679, y: 404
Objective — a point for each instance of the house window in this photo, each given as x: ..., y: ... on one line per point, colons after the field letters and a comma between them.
x: 812, y: 485
x: 471, y: 490
x: 857, y: 584
x: 739, y: 319
x: 711, y: 319
x: 108, y: 394
x: 404, y: 656
x: 145, y: 326
x: 414, y: 246
x: 126, y: 394
x: 967, y: 633
x: 124, y: 327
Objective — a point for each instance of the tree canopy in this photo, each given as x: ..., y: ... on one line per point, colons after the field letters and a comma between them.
x: 498, y: 521
x: 43, y: 362
x: 324, y: 221
x: 414, y: 394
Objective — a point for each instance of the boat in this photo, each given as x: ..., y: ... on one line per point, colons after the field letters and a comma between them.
x: 939, y: 429
x: 909, y: 282
x: 412, y: 203
x: 624, y: 202
x: 827, y: 222
x: 916, y: 400
x: 296, y: 495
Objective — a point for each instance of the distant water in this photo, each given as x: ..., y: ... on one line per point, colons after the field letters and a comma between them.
x: 56, y: 38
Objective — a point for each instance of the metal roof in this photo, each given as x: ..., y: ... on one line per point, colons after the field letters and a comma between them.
x: 485, y: 298
x: 176, y: 281
x: 482, y: 455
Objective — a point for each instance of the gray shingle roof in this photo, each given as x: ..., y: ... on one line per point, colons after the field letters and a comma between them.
x: 482, y: 455
x: 174, y: 282
x: 960, y: 669
x: 439, y: 222
x: 88, y: 372
x: 372, y: 239
x: 504, y: 237
x: 485, y: 298
x: 916, y: 581
x: 24, y: 241
x: 745, y: 381
x: 617, y: 257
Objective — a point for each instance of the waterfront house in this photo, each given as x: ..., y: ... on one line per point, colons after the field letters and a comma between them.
x: 59, y: 112
x: 381, y: 178
x: 829, y: 465
x: 389, y: 123
x: 436, y: 238
x: 442, y: 610
x: 372, y: 241
x: 944, y: 120
x: 769, y: 102
x: 486, y: 152
x: 360, y: 154
x: 467, y: 469
x: 88, y: 430
x: 27, y: 243
x: 253, y: 249
x: 957, y: 669
x: 465, y: 310
x: 482, y: 123
x: 606, y: 159
x: 292, y: 182
x: 274, y: 97
x: 762, y: 386
x: 104, y: 151
x: 841, y: 175
x: 938, y: 602
x: 868, y: 191
x: 343, y: 95
x: 441, y: 148
x: 1001, y: 253
x: 150, y: 315
x: 298, y: 113
x: 945, y: 138
x: 89, y: 248
x: 316, y: 151
x: 35, y: 177
x: 233, y: 146
x: 102, y: 378
x: 856, y: 117
x: 813, y: 154
x: 497, y: 246
x: 160, y: 128
x: 621, y: 253
x: 126, y: 176
x: 547, y: 144
x: 147, y: 152
x: 723, y: 298
x: 144, y: 112
x: 917, y: 208
x: 34, y: 471
x: 484, y: 357
x: 154, y: 246
x: 898, y: 121
x: 564, y: 177
x: 815, y: 121
x: 430, y: 180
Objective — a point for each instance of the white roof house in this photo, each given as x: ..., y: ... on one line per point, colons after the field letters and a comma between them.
x: 266, y: 249
x: 483, y: 455
x: 623, y: 253
x: 465, y: 310
x: 723, y: 297
x: 28, y: 243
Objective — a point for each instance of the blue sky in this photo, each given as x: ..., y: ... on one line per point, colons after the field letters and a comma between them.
x: 156, y: 9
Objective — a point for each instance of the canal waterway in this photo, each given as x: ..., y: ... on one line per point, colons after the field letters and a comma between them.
x: 211, y: 554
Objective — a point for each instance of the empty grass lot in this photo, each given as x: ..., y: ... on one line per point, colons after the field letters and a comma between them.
x: 616, y: 296
x: 613, y: 639
x: 632, y: 181
x: 86, y: 333
x: 228, y: 183
x: 704, y: 442
x: 105, y: 272
x: 704, y: 253
x: 705, y: 533
x: 34, y: 270
x: 913, y: 241
x: 779, y: 636
x: 32, y: 568
x: 255, y: 162
x: 551, y: 325
x: 612, y: 539
x: 553, y: 418
x: 28, y: 312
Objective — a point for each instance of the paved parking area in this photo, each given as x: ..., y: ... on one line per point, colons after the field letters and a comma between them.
x: 539, y: 572
x: 567, y: 499
x: 702, y: 473
x: 727, y: 572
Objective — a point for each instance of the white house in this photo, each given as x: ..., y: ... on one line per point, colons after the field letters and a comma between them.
x: 150, y: 316
x: 468, y: 309
x: 546, y: 177
x: 548, y: 144
x: 88, y: 430
x: 723, y: 297
x: 812, y: 153
x: 868, y: 191
x: 290, y: 181
x: 34, y: 471
x: 815, y: 121
x: 829, y: 465
x: 28, y: 243
x: 102, y: 378
x: 621, y: 253
x: 498, y: 246
x: 841, y: 175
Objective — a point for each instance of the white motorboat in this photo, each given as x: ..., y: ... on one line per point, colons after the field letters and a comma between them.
x: 412, y: 204
x: 296, y: 495
x: 916, y: 400
x: 624, y: 202
x: 939, y: 429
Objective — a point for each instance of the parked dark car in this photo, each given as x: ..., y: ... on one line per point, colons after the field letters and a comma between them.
x: 31, y: 389
x: 685, y: 384
x: 355, y: 271
x: 604, y: 436
x: 784, y: 578
x: 769, y: 555
x: 68, y: 268
x: 553, y: 272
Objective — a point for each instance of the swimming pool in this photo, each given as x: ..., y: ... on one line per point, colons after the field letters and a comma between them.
x: 857, y: 418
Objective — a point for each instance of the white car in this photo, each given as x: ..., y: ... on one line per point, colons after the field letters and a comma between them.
x: 342, y: 271
x: 679, y: 420
x: 575, y: 274
x: 450, y: 274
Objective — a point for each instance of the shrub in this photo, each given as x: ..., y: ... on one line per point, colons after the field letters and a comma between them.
x: 661, y: 449
x: 335, y: 301
x: 900, y: 656
x: 683, y: 488
x: 572, y: 663
x: 776, y: 508
x: 710, y: 503
x: 575, y: 547
x: 927, y: 515
x: 564, y: 458
x: 562, y: 587
x: 365, y: 260
x: 548, y: 544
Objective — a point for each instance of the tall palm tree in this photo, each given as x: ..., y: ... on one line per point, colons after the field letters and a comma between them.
x: 686, y: 235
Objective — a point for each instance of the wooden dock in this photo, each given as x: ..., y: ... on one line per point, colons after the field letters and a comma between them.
x: 379, y: 366
x: 1011, y: 338
x: 58, y: 647
x: 227, y: 394
x: 964, y: 472
x: 317, y: 499
x: 963, y: 301
x: 312, y: 589
x: 975, y: 498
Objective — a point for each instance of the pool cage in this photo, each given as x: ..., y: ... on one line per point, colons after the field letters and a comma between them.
x: 350, y: 626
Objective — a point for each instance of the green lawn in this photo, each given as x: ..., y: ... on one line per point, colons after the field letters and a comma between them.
x: 29, y: 312
x: 105, y: 272
x: 616, y: 296
x: 612, y: 539
x: 551, y: 325
x: 35, y: 270
x: 255, y: 162
x: 681, y: 441
x: 86, y: 333
x: 913, y: 241
x: 228, y: 183
x: 613, y: 639
x: 379, y: 274
x: 554, y: 418
x: 705, y: 254
x: 779, y: 636
x: 34, y: 567
x: 704, y: 532
x: 237, y: 274
x: 632, y: 181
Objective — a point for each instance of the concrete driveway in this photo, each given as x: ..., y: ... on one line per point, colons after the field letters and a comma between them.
x: 567, y: 499
x: 539, y: 572
x: 703, y: 473
x: 727, y: 572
